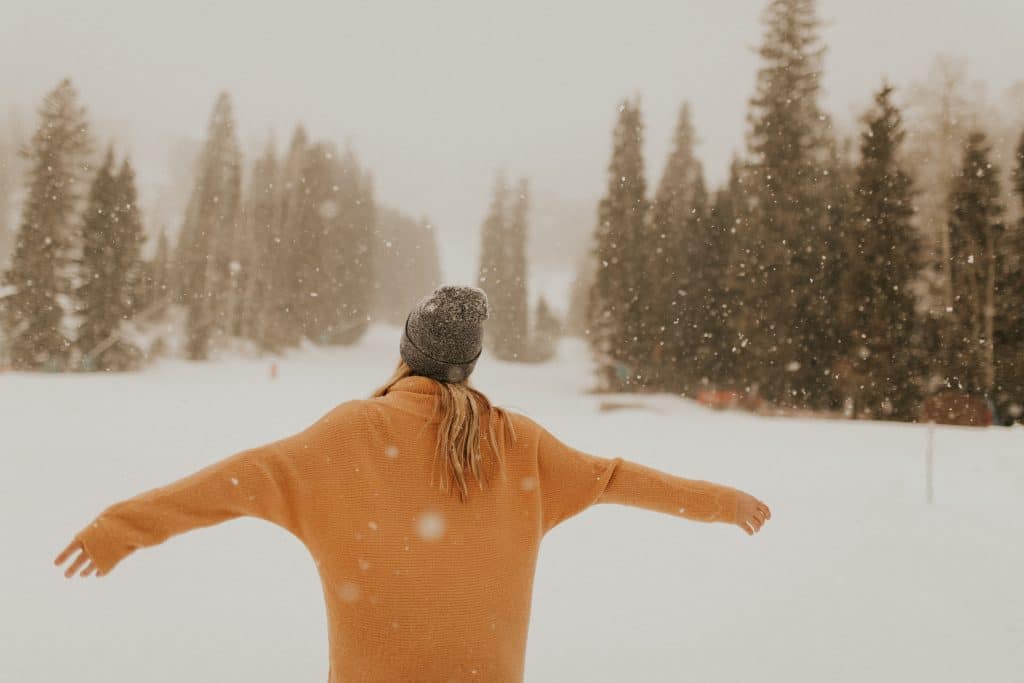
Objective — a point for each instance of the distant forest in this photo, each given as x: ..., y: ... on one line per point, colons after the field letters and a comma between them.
x: 858, y: 273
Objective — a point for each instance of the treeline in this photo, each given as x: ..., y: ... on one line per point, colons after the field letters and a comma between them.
x: 509, y: 333
x: 809, y: 280
x: 288, y: 251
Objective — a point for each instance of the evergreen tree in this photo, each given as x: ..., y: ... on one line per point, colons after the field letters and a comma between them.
x: 284, y: 324
x: 727, y: 223
x: 130, y: 237
x: 6, y: 197
x: 975, y: 226
x: 347, y: 272
x: 511, y: 307
x: 99, y: 315
x: 546, y: 331
x: 110, y: 270
x: 258, y: 250
x: 883, y: 259
x: 207, y: 242
x: 792, y: 240
x: 158, y: 290
x: 1009, y: 323
x: 490, y: 276
x: 312, y: 223
x: 615, y: 317
x: 406, y: 264
x: 671, y: 290
x: 39, y: 275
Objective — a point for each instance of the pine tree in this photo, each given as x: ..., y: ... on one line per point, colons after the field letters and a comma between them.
x: 670, y: 298
x: 728, y: 222
x: 1009, y: 323
x: 731, y: 217
x: 110, y: 269
x: 6, y: 197
x: 99, y: 315
x: 130, y: 237
x: 883, y: 259
x: 39, y: 276
x: 546, y: 331
x: 283, y: 322
x: 975, y: 227
x: 159, y: 269
x: 792, y: 240
x: 512, y: 307
x: 406, y: 263
x: 615, y: 317
x: 258, y: 250
x: 207, y: 243
x: 347, y: 269
x: 490, y: 275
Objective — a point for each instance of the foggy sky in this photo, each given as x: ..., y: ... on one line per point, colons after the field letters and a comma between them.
x: 436, y: 96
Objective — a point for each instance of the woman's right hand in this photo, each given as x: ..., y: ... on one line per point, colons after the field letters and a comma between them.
x: 751, y: 513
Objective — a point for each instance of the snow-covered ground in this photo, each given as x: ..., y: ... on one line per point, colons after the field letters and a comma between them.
x: 855, y: 578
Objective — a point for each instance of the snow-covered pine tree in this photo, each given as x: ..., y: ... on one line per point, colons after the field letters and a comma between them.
x: 130, y: 237
x: 792, y: 242
x: 677, y: 281
x: 728, y: 218
x: 39, y: 276
x: 490, y: 275
x: 258, y: 250
x: 158, y: 277
x: 613, y: 312
x: 877, y: 309
x: 7, y: 156
x: 975, y: 228
x: 312, y: 225
x: 347, y: 259
x: 512, y: 307
x: 283, y: 323
x: 1009, y: 323
x: 98, y: 314
x: 205, y: 248
x: 110, y: 270
x: 406, y: 264
x: 547, y: 329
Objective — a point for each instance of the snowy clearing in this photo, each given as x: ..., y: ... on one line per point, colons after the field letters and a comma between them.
x: 855, y: 578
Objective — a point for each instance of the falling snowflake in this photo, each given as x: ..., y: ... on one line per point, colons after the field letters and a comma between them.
x: 348, y: 591
x: 430, y: 526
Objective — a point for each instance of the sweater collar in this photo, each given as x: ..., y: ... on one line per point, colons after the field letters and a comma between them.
x: 417, y: 384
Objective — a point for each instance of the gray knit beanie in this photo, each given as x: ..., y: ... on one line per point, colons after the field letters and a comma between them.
x: 443, y: 335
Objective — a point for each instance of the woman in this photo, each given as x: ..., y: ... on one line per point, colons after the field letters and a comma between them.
x: 423, y: 580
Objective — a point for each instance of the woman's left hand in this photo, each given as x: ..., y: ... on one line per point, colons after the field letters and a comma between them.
x: 83, y: 556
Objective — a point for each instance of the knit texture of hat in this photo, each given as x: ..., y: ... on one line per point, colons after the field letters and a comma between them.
x: 443, y: 335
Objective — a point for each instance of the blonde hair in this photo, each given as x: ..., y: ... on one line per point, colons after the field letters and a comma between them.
x: 459, y: 411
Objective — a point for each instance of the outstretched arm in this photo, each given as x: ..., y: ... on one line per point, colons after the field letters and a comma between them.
x: 572, y: 481
x: 269, y: 482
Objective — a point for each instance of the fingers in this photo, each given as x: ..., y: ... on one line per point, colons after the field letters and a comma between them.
x: 89, y: 569
x: 82, y: 557
x: 67, y: 551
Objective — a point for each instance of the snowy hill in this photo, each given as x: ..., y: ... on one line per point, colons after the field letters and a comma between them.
x: 855, y: 578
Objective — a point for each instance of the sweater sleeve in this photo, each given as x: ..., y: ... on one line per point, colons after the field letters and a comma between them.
x: 571, y: 481
x: 270, y: 482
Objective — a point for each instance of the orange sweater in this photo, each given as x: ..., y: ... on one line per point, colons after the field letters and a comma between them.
x: 418, y: 585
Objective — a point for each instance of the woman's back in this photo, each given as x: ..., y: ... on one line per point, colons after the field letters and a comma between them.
x: 420, y: 585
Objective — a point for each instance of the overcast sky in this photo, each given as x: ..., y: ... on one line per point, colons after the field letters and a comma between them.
x: 436, y: 96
